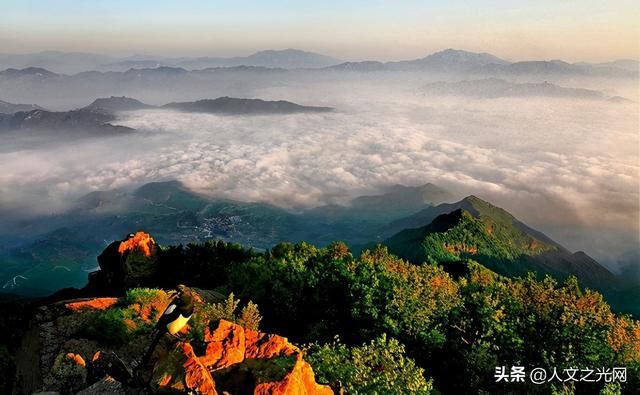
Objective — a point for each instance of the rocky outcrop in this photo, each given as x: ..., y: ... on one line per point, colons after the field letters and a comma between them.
x: 140, y: 241
x: 124, y: 264
x: 96, y: 345
x: 221, y: 357
x: 237, y: 360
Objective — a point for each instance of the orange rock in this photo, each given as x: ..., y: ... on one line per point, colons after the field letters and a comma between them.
x: 196, y: 375
x: 261, y: 345
x: 93, y: 304
x: 77, y: 358
x: 300, y: 381
x: 165, y: 380
x: 237, y: 356
x: 140, y: 241
x: 182, y: 371
x: 225, y: 345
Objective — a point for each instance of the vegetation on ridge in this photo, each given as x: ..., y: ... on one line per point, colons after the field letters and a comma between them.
x: 439, y: 328
x: 457, y: 326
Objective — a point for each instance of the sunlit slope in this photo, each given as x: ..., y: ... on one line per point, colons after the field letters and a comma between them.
x: 475, y: 229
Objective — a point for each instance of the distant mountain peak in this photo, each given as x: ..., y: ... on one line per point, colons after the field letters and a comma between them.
x: 28, y: 71
x: 115, y: 103
x: 289, y: 58
x: 286, y: 51
x: 459, y: 56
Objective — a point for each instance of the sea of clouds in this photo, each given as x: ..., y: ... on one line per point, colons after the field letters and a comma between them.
x: 567, y: 167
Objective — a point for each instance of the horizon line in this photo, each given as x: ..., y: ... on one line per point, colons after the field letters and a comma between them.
x: 122, y: 55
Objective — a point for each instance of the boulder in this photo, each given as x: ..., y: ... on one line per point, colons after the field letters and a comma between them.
x: 124, y: 264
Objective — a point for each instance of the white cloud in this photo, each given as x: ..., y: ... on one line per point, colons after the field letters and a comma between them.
x: 555, y: 164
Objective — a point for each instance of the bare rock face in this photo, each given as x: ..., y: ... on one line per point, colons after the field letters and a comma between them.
x: 237, y: 360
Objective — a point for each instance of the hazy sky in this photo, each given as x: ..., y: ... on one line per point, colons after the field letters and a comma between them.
x: 543, y: 29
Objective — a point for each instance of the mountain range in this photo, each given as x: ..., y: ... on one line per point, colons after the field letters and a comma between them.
x: 158, y: 82
x: 448, y: 60
x: 494, y: 88
x: 221, y: 105
x: 458, y: 61
x: 95, y: 119
x: 62, y: 62
x: 443, y: 233
x: 285, y: 59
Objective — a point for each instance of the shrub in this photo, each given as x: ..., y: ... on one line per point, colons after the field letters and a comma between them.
x: 249, y: 316
x: 110, y: 326
x: 146, y: 304
x: 378, y: 367
x: 142, y: 295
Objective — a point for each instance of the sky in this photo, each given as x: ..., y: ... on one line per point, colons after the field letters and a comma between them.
x: 574, y: 30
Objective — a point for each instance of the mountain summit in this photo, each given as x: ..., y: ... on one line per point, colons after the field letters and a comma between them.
x: 459, y: 58
x: 475, y: 229
x: 289, y: 59
x: 114, y: 104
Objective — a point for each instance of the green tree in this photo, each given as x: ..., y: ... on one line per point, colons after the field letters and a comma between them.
x: 377, y: 367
